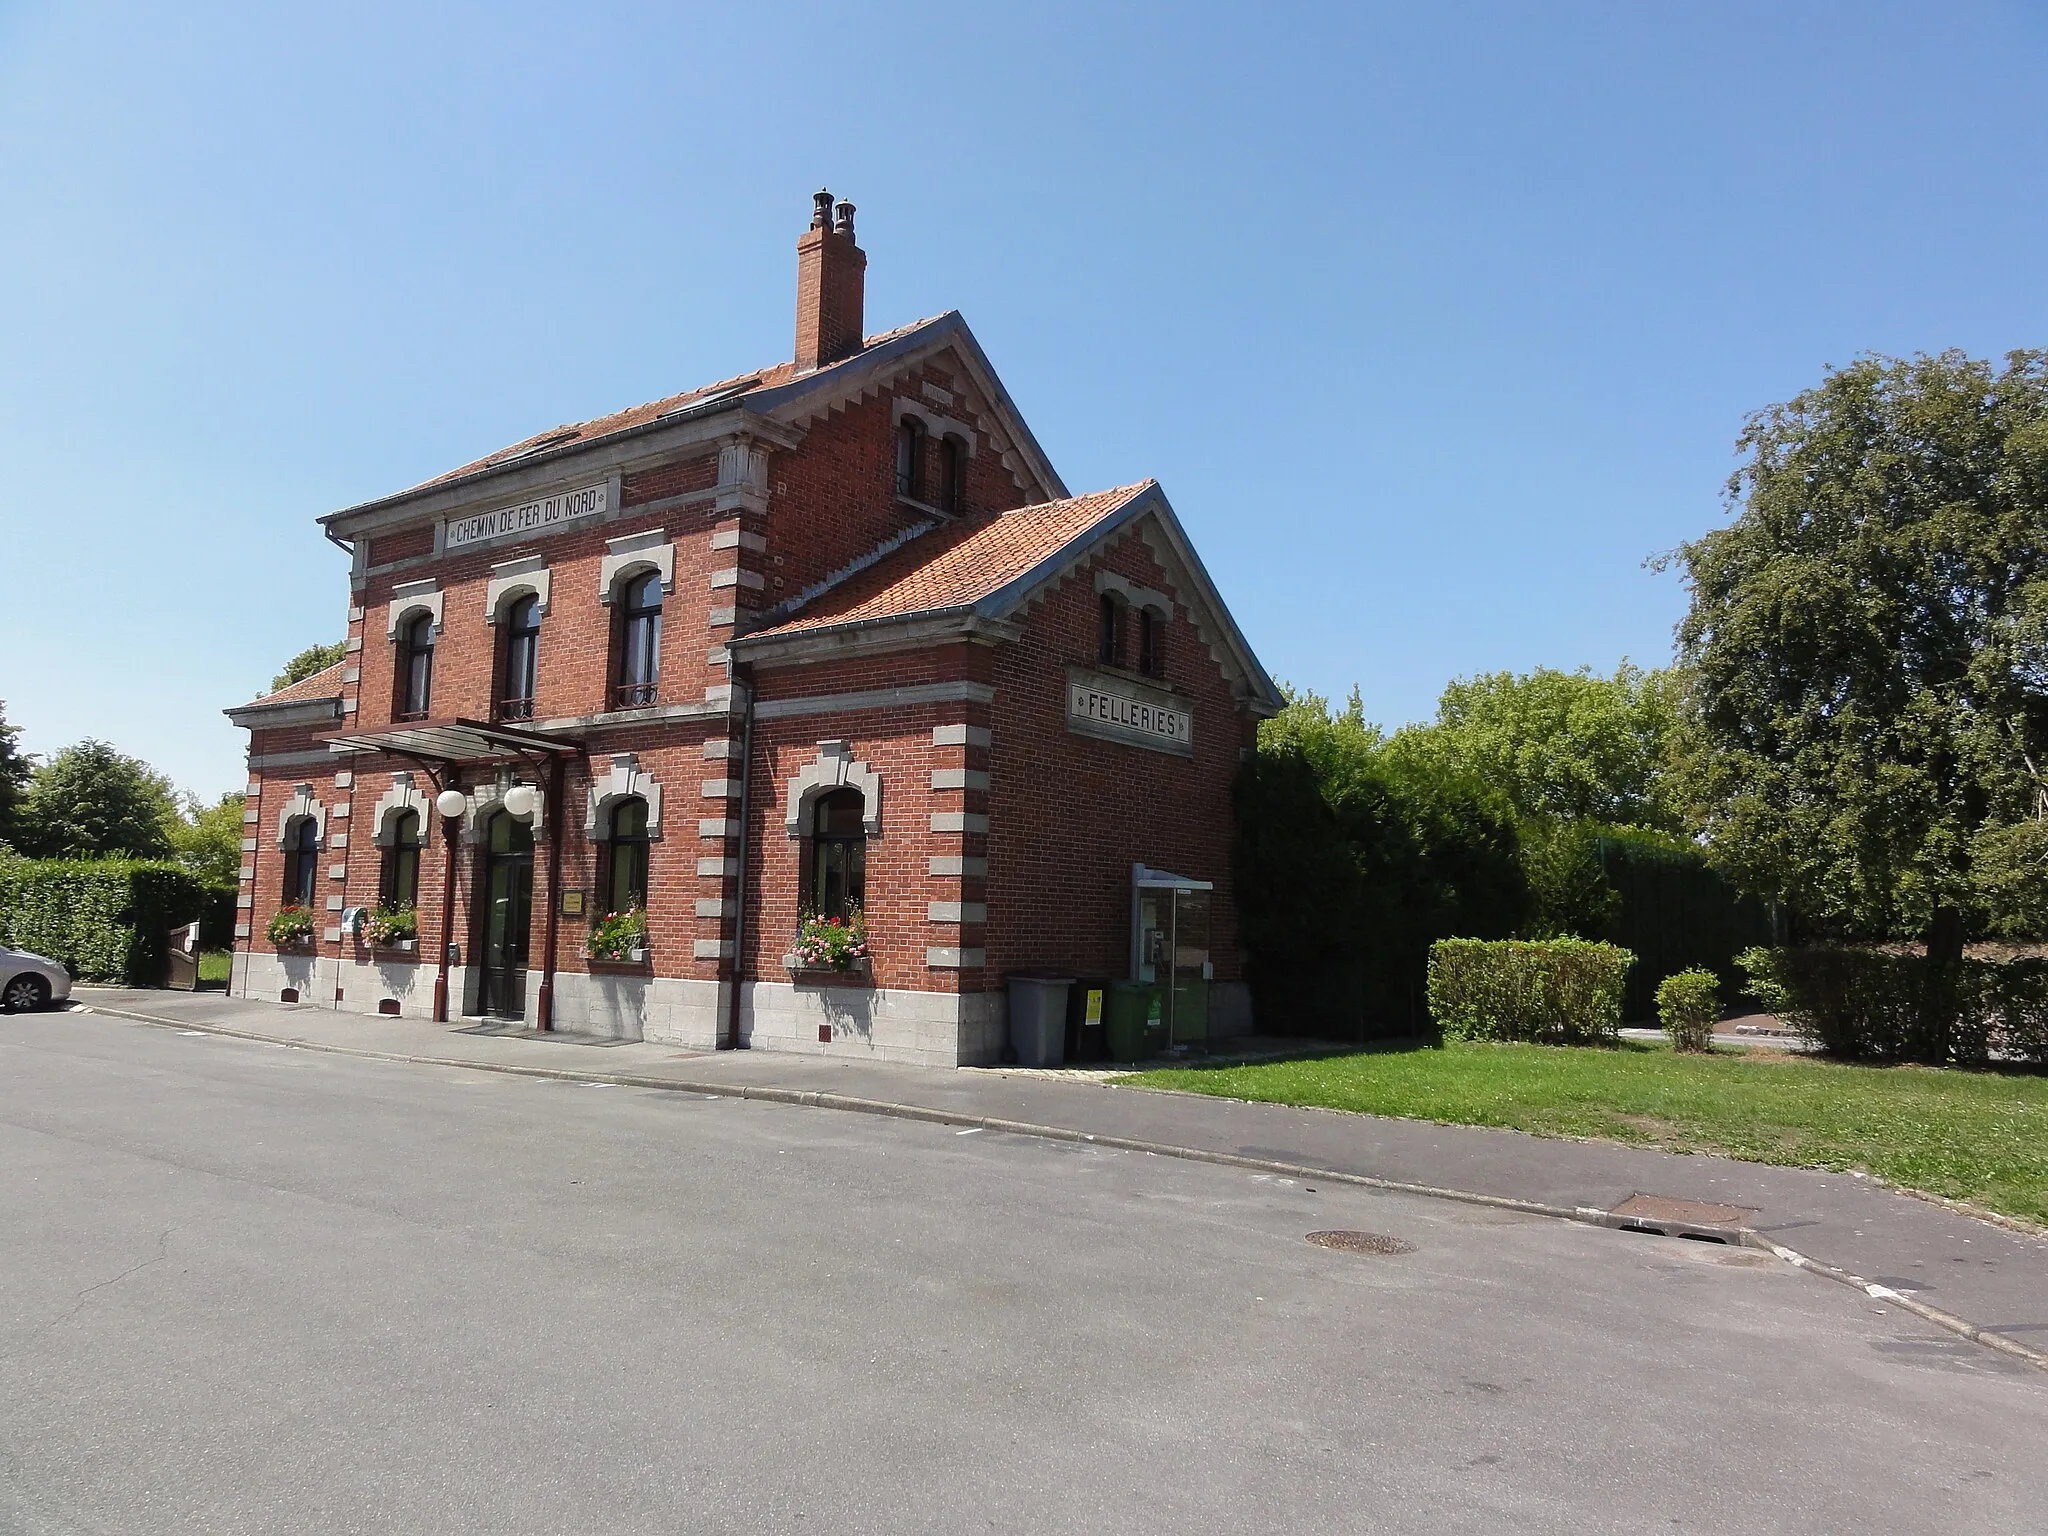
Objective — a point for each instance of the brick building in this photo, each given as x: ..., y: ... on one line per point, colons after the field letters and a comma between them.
x: 828, y: 634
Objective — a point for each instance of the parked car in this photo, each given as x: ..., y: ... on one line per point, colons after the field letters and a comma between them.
x: 29, y: 981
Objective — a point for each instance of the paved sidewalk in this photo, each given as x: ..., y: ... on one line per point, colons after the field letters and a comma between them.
x: 1994, y: 1278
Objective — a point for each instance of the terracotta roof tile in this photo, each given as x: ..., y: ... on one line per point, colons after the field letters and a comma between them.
x: 959, y: 564
x: 324, y: 684
x: 654, y: 410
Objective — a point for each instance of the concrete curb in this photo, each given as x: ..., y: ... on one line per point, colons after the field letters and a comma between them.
x: 1593, y: 1216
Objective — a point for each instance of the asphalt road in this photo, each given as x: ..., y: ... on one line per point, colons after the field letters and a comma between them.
x: 250, y: 1289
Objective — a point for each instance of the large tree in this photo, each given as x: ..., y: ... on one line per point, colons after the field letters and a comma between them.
x: 14, y: 771
x: 1567, y: 746
x: 90, y: 800
x: 1865, y: 661
x: 207, y: 839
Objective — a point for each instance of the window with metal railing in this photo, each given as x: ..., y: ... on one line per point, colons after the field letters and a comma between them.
x: 639, y: 646
x: 521, y: 668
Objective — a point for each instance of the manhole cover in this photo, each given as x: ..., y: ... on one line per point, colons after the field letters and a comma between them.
x: 1699, y: 1213
x: 1360, y: 1242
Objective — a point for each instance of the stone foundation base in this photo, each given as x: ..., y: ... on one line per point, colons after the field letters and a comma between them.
x: 926, y: 1029
x: 659, y: 1008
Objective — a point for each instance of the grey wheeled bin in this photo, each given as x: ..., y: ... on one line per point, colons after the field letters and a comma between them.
x: 1038, y: 1019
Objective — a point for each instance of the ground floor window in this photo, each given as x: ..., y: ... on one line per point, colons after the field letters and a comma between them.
x: 402, y: 862
x: 624, y: 856
x: 839, y: 853
x: 302, y: 863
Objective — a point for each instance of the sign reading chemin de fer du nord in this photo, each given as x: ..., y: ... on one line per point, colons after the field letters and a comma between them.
x: 1120, y: 709
x: 528, y: 517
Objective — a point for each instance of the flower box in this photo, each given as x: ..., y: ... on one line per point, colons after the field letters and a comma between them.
x: 618, y: 938
x: 857, y: 973
x: 636, y: 963
x: 397, y: 949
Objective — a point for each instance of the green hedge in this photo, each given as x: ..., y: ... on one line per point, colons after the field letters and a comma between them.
x: 107, y: 919
x: 1873, y: 1005
x: 1553, y: 991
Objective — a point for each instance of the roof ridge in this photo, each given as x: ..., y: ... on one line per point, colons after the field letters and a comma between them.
x: 770, y: 376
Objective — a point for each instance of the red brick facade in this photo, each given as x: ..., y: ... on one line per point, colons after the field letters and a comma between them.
x: 919, y: 640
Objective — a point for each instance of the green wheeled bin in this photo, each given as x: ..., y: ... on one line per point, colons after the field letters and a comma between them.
x: 1131, y: 1023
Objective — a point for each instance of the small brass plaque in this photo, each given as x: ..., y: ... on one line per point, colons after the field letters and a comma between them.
x: 572, y: 903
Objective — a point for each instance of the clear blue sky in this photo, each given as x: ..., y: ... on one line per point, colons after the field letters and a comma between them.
x: 1435, y: 320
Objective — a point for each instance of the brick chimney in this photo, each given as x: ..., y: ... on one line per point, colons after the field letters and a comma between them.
x: 830, y: 280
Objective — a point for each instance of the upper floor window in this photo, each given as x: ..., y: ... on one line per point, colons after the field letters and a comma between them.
x: 625, y: 857
x: 909, y: 456
x: 302, y: 863
x: 639, y: 621
x: 415, y: 668
x: 1151, y: 643
x: 839, y: 853
x: 401, y: 882
x: 1109, y: 637
x: 522, y: 659
x: 952, y: 474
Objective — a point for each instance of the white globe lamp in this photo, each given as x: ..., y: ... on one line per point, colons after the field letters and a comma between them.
x: 520, y: 801
x: 451, y: 803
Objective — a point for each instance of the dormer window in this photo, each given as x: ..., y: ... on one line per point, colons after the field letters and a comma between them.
x: 909, y: 456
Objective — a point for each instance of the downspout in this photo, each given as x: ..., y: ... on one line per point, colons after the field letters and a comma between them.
x: 743, y: 676
x: 451, y: 831
x: 544, y: 1013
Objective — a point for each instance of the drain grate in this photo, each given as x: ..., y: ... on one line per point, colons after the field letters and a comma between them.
x: 1361, y: 1242
x: 1651, y: 1209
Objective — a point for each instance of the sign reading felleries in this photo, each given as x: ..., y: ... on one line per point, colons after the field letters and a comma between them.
x: 1117, y: 710
x: 541, y: 516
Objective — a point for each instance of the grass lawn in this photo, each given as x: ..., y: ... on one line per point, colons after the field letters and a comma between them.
x: 1976, y: 1136
x: 213, y: 966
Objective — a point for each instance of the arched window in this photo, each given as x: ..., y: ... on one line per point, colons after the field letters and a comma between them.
x: 302, y: 863
x: 839, y: 853
x: 415, y: 668
x: 953, y: 474
x: 522, y: 659
x: 625, y: 857
x: 909, y: 456
x: 1109, y: 643
x: 639, y: 667
x: 1151, y: 643
x: 401, y: 883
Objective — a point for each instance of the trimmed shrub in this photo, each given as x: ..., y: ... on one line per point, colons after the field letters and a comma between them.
x: 102, y: 919
x: 1873, y: 1005
x: 2013, y: 996
x: 1689, y: 1005
x: 1551, y: 991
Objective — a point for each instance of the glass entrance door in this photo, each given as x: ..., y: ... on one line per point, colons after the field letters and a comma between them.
x: 507, y: 917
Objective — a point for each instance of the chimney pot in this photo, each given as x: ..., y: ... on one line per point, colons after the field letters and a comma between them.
x: 830, y: 283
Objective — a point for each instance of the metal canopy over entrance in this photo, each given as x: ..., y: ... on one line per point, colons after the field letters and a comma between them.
x: 454, y: 741
x: 1170, y: 948
x: 501, y: 919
